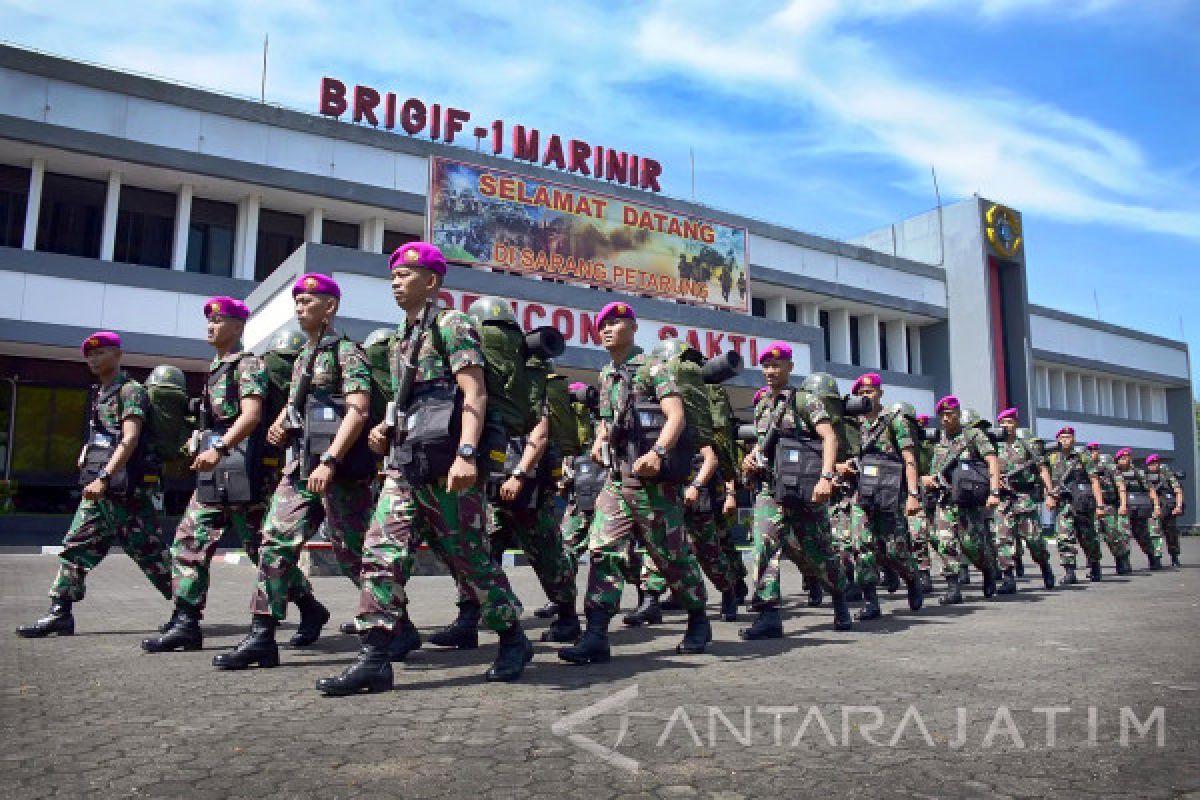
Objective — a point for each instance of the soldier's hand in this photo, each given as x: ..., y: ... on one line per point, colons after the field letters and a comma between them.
x: 750, y: 463
x: 730, y: 506
x: 993, y: 502
x: 319, y: 478
x: 822, y: 491
x: 690, y: 495
x: 1122, y: 510
x: 647, y: 465
x: 511, y: 488
x: 928, y: 481
x: 1052, y: 502
x: 462, y: 475
x: 1175, y: 512
x: 377, y: 439
x: 843, y: 469
x: 276, y: 435
x: 912, y: 506
x: 598, y: 452
x: 95, y: 490
x: 206, y: 461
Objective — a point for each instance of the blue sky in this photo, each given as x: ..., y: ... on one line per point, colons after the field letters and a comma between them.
x: 824, y: 116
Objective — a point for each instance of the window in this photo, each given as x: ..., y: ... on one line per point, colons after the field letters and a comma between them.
x: 790, y: 310
x: 758, y: 307
x: 342, y: 234
x: 393, y: 239
x: 855, y: 358
x: 279, y: 235
x: 48, y: 432
x: 14, y: 193
x: 823, y: 320
x: 145, y: 227
x: 883, y: 351
x: 211, y: 237
x: 71, y: 216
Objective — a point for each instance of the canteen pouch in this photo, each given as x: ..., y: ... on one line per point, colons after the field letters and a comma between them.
x: 648, y: 422
x: 433, y: 428
x: 96, y: 454
x: 235, y: 479
x: 1139, y: 505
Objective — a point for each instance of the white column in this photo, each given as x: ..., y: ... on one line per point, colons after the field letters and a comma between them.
x: 314, y: 220
x: 247, y: 244
x: 897, y: 345
x: 810, y: 314
x: 183, y: 224
x: 914, y: 339
x: 776, y: 308
x: 839, y: 336
x: 108, y: 230
x: 33, y: 207
x: 370, y: 235
x: 868, y: 341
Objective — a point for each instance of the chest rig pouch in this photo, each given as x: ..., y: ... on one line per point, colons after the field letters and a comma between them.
x: 1138, y: 503
x: 797, y: 462
x: 706, y: 499
x: 237, y: 478
x: 970, y: 485
x: 432, y: 427
x: 648, y: 422
x: 590, y: 478
x: 531, y: 488
x: 880, y: 482
x: 1079, y: 488
x: 323, y: 415
x: 99, y: 447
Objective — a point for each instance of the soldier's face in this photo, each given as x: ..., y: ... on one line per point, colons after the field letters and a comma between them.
x: 951, y: 419
x: 1125, y: 462
x: 1152, y: 467
x: 412, y: 286
x: 616, y: 333
x: 777, y: 371
x: 313, y: 309
x: 1010, y: 426
x: 872, y: 393
x: 1066, y: 441
x: 223, y: 331
x: 103, y: 361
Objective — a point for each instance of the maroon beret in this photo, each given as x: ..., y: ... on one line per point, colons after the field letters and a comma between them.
x: 867, y: 379
x: 227, y: 307
x: 316, y: 283
x: 615, y: 310
x: 100, y: 339
x: 781, y: 350
x: 1008, y: 413
x: 418, y: 254
x: 946, y: 403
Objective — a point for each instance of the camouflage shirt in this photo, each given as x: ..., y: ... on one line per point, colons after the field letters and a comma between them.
x: 451, y: 345
x: 649, y: 378
x: 974, y: 444
x: 1107, y: 475
x: 1019, y: 464
x: 1069, y: 467
x: 246, y: 378
x: 1133, y: 479
x: 801, y: 416
x: 1165, y: 480
x: 888, y: 434
x: 124, y: 399
x: 350, y: 368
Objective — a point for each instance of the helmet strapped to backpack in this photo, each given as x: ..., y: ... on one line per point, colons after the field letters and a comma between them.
x: 824, y: 387
x: 169, y: 425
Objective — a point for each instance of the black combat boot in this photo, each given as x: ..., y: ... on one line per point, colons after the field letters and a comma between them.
x: 964, y: 576
x: 841, y: 611
x: 184, y: 635
x: 698, y: 633
x: 891, y: 581
x: 1069, y: 578
x: 767, y: 625
x: 313, y: 617
x: 926, y: 582
x: 816, y: 593
x: 916, y: 597
x: 166, y: 626
x: 1019, y: 564
x: 1123, y: 565
x: 257, y: 648
x: 463, y: 633
x: 592, y: 647
x: 548, y: 611
x: 59, y: 620
x: 405, y: 639
x: 989, y: 582
x: 870, y: 609
x: 1047, y: 574
x: 670, y: 604
x: 741, y: 590
x: 648, y: 613
x: 371, y: 672
x: 349, y: 628
x: 1008, y: 582
x: 1155, y: 563
x: 953, y: 594
x: 515, y: 652
x: 729, y: 605
x: 566, y: 627
x: 1175, y: 560
x: 1095, y: 573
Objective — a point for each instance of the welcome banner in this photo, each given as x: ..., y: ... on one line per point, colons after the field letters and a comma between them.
x: 514, y: 223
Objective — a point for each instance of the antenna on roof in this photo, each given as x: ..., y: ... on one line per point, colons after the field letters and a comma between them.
x: 262, y: 92
x: 941, y: 232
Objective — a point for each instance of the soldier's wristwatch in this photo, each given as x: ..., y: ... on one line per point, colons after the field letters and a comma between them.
x: 220, y: 446
x: 329, y: 460
x: 519, y: 474
x: 467, y: 451
x: 660, y: 451
x: 828, y: 476
x: 102, y: 475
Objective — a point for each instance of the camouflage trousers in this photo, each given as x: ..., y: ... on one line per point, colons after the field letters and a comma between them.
x: 880, y: 539
x: 1168, y: 526
x: 133, y: 521
x: 196, y: 541
x: 962, y: 537
x: 705, y: 535
x: 453, y: 524
x: 1074, y: 531
x: 575, y: 527
x: 803, y: 533
x: 1144, y: 532
x: 536, y: 531
x: 918, y: 535
x: 1115, y: 536
x: 294, y: 516
x: 1017, y: 522
x: 626, y: 513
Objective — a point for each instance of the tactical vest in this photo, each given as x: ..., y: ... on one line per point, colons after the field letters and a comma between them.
x: 102, y: 441
x: 1138, y: 503
x: 237, y: 478
x: 1072, y: 480
x: 881, y: 474
x: 324, y: 411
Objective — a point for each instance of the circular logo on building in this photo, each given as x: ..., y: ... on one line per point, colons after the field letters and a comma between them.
x: 1003, y: 230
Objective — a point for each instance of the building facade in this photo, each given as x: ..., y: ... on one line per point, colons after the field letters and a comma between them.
x: 125, y: 201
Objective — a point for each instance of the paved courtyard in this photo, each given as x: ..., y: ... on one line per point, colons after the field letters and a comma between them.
x: 1091, y: 691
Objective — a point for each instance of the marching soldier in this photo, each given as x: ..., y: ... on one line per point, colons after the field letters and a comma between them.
x: 327, y: 478
x: 919, y: 524
x: 1115, y: 535
x: 1170, y: 496
x: 1075, y: 494
x: 1022, y: 469
x: 1139, y: 505
x: 122, y: 494
x: 641, y: 498
x: 796, y: 524
x: 959, y: 522
x: 432, y: 484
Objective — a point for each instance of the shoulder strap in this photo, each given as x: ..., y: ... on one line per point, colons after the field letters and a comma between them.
x: 888, y: 418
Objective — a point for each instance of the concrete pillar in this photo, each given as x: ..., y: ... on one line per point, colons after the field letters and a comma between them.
x: 313, y: 222
x: 183, y: 224
x: 914, y: 341
x: 247, y: 237
x: 370, y: 235
x: 868, y: 341
x: 810, y: 314
x: 108, y: 230
x: 897, y: 345
x: 776, y: 308
x: 33, y: 208
x: 839, y: 336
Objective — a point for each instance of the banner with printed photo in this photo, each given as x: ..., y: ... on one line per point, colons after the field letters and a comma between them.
x: 479, y: 215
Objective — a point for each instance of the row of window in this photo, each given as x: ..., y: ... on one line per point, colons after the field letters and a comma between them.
x: 71, y: 219
x: 1089, y: 393
x: 758, y: 307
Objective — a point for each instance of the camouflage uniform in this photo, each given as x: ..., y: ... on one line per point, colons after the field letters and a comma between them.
x: 132, y: 519
x: 454, y: 523
x: 800, y: 531
x: 1017, y: 520
x: 878, y: 535
x: 1072, y: 530
x: 295, y: 514
x: 961, y: 531
x: 628, y: 509
x: 1168, y: 524
x: 1115, y: 534
x: 536, y: 531
x: 1143, y: 531
x: 203, y: 525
